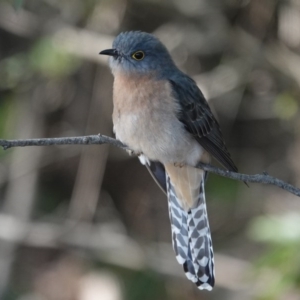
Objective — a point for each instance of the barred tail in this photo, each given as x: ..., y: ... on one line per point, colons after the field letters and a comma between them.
x: 191, y: 236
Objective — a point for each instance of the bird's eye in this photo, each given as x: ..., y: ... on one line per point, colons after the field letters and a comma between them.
x: 138, y: 55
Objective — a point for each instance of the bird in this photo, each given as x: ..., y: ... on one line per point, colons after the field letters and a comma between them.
x: 163, y: 117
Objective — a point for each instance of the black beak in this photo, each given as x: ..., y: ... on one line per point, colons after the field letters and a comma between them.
x: 110, y: 52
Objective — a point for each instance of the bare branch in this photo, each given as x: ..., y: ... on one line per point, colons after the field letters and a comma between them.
x: 102, y: 139
x: 78, y: 140
x: 256, y: 178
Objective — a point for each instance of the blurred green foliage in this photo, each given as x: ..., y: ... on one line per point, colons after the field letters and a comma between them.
x: 14, y: 70
x: 281, y: 230
x: 281, y: 260
x: 17, y: 3
x: 226, y: 188
x: 286, y: 106
x: 7, y: 108
x: 50, y: 60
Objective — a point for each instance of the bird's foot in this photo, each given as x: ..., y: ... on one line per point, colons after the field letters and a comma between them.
x: 179, y: 164
x: 134, y: 153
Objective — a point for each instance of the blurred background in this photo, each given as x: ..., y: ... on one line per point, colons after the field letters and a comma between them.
x: 88, y: 222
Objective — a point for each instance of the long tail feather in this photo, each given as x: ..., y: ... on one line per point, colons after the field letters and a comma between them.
x: 191, y: 235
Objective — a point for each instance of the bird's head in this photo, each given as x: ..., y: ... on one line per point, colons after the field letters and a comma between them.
x: 139, y: 53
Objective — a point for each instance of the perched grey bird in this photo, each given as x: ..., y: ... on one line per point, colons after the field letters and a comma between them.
x: 161, y: 114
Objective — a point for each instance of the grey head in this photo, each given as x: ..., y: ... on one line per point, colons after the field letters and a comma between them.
x: 137, y: 52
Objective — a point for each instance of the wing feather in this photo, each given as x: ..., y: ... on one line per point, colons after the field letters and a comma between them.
x: 198, y: 119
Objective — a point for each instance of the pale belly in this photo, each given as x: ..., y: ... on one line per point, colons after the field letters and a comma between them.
x: 161, y: 138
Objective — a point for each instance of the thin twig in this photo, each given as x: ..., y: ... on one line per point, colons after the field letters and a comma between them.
x: 102, y: 139
x: 78, y: 140
x: 258, y: 178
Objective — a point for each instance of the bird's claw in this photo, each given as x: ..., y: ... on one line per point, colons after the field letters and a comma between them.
x: 134, y: 153
x: 179, y: 164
